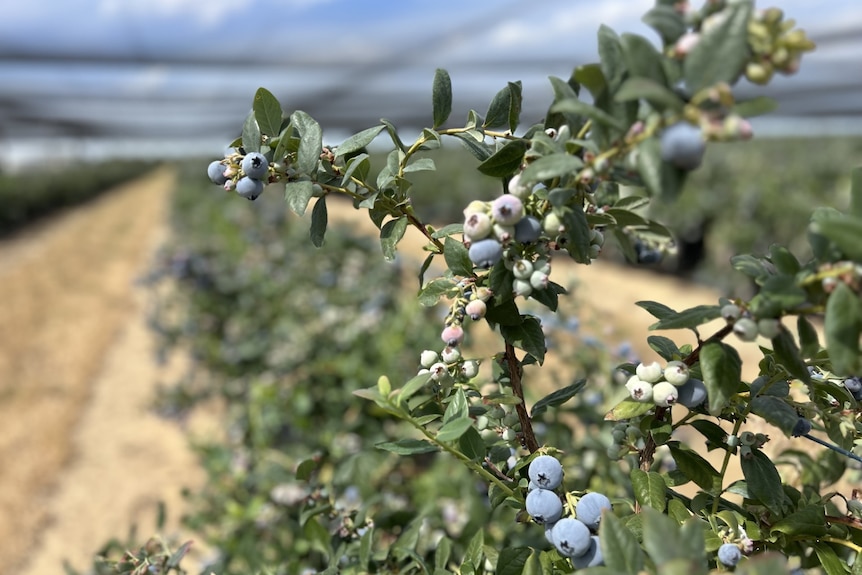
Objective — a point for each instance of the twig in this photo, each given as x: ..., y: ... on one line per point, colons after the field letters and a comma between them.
x: 528, y: 437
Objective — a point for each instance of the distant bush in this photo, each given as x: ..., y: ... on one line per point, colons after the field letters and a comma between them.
x: 25, y: 197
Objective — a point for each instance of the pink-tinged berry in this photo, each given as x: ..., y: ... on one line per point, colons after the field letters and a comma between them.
x: 686, y: 44
x: 507, y: 210
x: 477, y: 226
x: 476, y: 309
x: 539, y: 280
x: 452, y: 335
x: 504, y: 234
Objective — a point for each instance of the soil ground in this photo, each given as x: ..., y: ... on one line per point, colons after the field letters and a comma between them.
x: 82, y: 455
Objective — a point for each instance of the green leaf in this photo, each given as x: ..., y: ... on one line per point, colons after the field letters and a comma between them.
x: 856, y: 192
x: 612, y: 62
x: 663, y: 346
x: 527, y: 335
x: 442, y: 554
x: 503, y: 313
x: 360, y: 166
x: 501, y: 283
x: 722, y: 370
x: 457, y: 258
x: 512, y: 560
x: 365, y: 545
x: 441, y: 97
x: 667, y: 21
x: 319, y: 219
x: 436, y: 289
x: 809, y: 520
x: 808, y: 339
x: 358, y: 141
x: 250, y: 134
x: 473, y: 555
x: 472, y: 445
x: 757, y: 106
x: 582, y: 108
x: 498, y: 110
x: 578, y: 231
x: 763, y: 480
x: 656, y: 309
x: 557, y: 397
x: 311, y: 141
x: 649, y: 489
x: 642, y: 59
x: 591, y: 77
x: 419, y: 165
x: 390, y: 234
x: 407, y: 446
x: 694, y: 466
x: 620, y: 547
x: 454, y: 429
x: 458, y: 407
x: 829, y: 560
x: 413, y: 385
x: 843, y: 230
x: 515, y: 102
x: 480, y: 151
x: 552, y: 166
x: 627, y: 409
x: 783, y: 260
x: 660, y: 178
x: 656, y: 94
x: 787, y: 354
x: 722, y: 51
x: 749, y: 265
x: 658, y: 531
x: 713, y: 433
x: 689, y: 318
x: 843, y: 325
x: 267, y: 112
x: 305, y: 469
x: 298, y: 194
x: 505, y: 161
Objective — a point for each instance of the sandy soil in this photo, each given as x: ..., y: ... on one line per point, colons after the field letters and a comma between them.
x: 82, y: 456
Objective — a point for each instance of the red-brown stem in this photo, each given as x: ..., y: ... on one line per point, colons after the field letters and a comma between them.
x: 515, y: 371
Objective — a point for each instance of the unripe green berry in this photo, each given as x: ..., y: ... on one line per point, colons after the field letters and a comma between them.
x: 676, y: 372
x: 649, y: 372
x: 768, y: 327
x: 482, y: 423
x: 475, y: 207
x: 439, y: 371
x: 664, y: 394
x: 542, y: 265
x: 553, y: 225
x: 477, y: 226
x: 731, y: 312
x: 745, y: 329
x: 539, y: 280
x: 639, y: 390
x: 522, y: 288
x: 428, y: 358
x: 470, y: 369
x: 450, y: 355
x: 522, y: 269
x: 517, y: 188
x: 503, y: 233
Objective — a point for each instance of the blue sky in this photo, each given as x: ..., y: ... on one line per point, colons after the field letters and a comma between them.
x: 151, y: 68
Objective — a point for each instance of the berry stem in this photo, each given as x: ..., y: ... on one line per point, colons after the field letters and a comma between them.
x: 737, y: 425
x: 515, y: 371
x: 833, y: 447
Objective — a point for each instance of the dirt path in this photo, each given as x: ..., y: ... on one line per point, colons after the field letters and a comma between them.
x: 82, y: 458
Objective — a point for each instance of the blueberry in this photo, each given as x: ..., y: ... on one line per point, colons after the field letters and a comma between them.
x: 682, y: 145
x: 546, y: 472
x: 593, y: 556
x: 527, y: 230
x: 646, y: 254
x: 485, y: 253
x: 778, y: 388
x: 692, y: 393
x: 544, y: 506
x: 215, y: 171
x: 255, y: 165
x: 477, y: 226
x: 649, y: 372
x: 854, y: 386
x: 745, y: 329
x: 729, y: 554
x: 589, y: 509
x: 571, y: 537
x: 249, y: 188
x: 507, y: 210
x: 802, y: 427
x: 665, y: 394
x: 676, y: 372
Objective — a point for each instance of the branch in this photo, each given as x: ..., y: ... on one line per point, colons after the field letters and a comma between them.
x: 528, y: 437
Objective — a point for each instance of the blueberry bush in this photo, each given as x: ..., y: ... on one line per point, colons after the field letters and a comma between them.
x: 622, y: 489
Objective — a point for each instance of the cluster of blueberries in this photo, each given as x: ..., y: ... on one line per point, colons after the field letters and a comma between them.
x: 248, y: 178
x: 666, y: 387
x: 574, y: 537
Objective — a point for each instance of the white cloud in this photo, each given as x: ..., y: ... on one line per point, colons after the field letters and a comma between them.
x: 209, y: 14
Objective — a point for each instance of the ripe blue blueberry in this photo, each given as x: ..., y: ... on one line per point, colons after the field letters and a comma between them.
x: 589, y: 509
x: 692, y: 393
x: 485, y: 253
x: 571, y: 537
x: 593, y: 556
x: 507, y: 210
x: 255, y: 165
x: 215, y: 171
x: 249, y: 188
x: 729, y: 554
x: 682, y: 145
x: 544, y: 506
x: 802, y: 427
x: 854, y: 386
x: 527, y: 230
x: 546, y: 472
